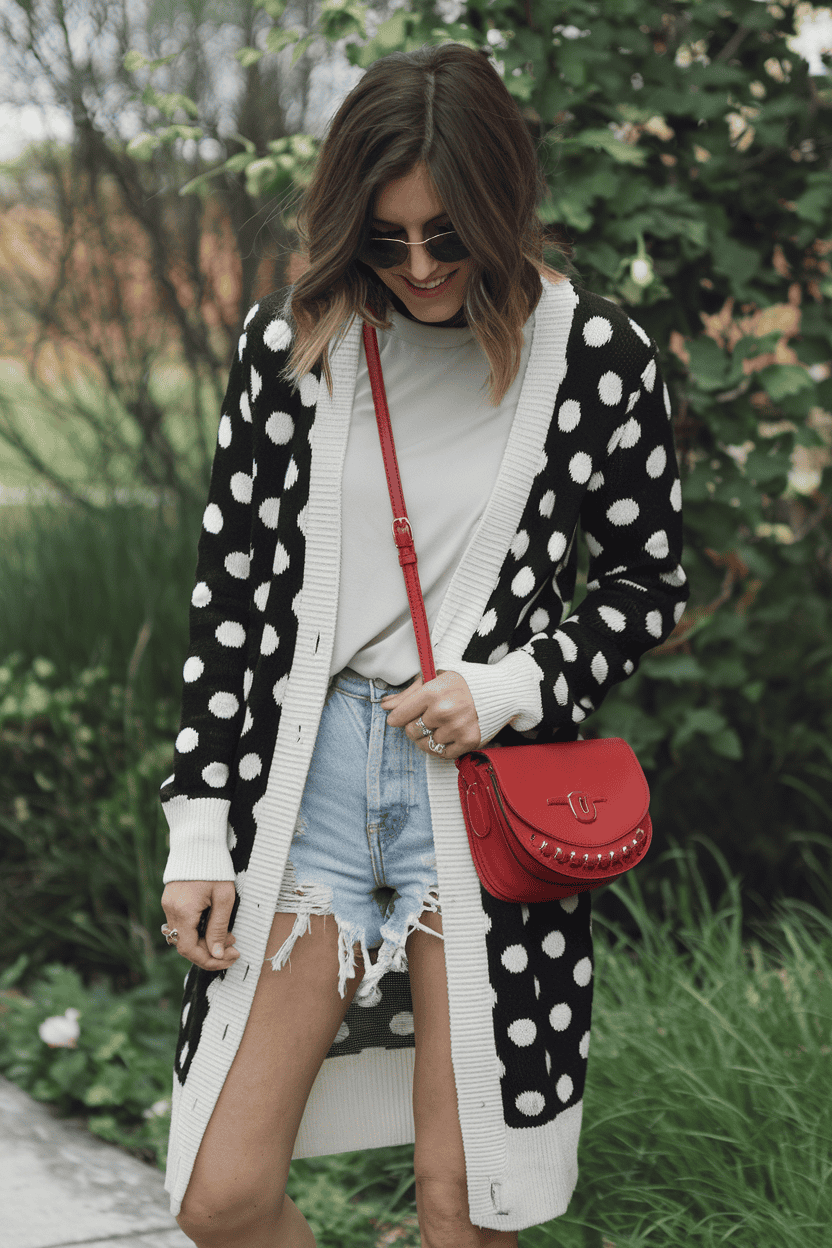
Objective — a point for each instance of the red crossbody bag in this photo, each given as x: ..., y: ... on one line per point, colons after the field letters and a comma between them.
x: 543, y: 821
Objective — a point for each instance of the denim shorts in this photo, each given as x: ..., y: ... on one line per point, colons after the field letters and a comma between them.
x: 363, y: 848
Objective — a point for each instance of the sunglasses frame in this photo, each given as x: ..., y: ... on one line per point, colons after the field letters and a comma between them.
x: 362, y: 255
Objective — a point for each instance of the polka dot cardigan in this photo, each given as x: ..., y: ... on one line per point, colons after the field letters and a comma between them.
x: 590, y: 449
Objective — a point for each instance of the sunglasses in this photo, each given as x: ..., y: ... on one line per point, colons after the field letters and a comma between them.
x: 386, y: 253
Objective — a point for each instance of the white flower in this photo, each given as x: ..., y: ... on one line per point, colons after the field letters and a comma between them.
x: 641, y: 271
x: 159, y: 1109
x: 61, y: 1031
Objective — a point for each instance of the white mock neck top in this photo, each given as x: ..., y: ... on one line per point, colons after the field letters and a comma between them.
x: 449, y: 443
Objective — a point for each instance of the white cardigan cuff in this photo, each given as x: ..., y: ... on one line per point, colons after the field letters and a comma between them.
x: 504, y: 692
x: 198, y: 839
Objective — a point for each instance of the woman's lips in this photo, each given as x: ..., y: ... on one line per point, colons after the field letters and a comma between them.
x: 434, y: 290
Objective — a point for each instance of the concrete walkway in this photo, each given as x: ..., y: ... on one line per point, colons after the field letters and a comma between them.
x: 60, y: 1186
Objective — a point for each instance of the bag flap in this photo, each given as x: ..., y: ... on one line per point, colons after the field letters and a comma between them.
x: 582, y: 793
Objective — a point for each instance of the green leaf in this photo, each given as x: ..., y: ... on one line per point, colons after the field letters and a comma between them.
x: 709, y: 365
x: 277, y: 39
x: 134, y: 61
x: 814, y: 204
x: 248, y: 56
x: 605, y: 141
x: 734, y: 260
x: 726, y: 743
x: 782, y: 380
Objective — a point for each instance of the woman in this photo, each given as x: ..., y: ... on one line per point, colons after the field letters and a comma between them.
x: 312, y: 776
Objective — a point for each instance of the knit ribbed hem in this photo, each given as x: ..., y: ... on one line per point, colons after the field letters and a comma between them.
x: 504, y: 692
x: 198, y: 839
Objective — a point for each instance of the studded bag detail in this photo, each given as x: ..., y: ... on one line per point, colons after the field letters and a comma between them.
x: 543, y: 821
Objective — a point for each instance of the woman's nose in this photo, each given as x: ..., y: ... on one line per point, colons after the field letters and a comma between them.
x: 422, y: 262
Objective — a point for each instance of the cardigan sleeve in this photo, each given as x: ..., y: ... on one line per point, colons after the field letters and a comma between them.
x: 636, y: 588
x: 196, y: 797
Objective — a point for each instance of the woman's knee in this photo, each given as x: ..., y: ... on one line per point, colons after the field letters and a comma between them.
x: 222, y: 1216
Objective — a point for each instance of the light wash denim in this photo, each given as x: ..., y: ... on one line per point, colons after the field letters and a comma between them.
x: 363, y: 847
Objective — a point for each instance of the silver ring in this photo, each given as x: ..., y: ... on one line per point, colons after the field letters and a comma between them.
x: 420, y: 723
x: 437, y: 747
x: 170, y: 934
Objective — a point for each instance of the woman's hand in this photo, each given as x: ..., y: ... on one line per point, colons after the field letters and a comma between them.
x: 445, y: 706
x: 183, y: 902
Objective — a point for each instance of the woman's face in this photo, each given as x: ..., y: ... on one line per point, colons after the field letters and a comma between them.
x: 410, y: 208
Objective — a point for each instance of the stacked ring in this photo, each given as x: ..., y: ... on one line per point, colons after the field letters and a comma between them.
x: 420, y: 723
x: 436, y: 746
x: 170, y: 934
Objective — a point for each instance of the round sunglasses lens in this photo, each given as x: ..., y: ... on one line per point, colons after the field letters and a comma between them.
x: 383, y: 253
x: 448, y: 247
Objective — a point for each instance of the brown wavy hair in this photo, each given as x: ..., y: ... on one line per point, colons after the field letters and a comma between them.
x: 445, y: 106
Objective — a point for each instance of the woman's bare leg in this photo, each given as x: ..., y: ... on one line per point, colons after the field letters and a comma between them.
x: 235, y: 1197
x: 439, y: 1158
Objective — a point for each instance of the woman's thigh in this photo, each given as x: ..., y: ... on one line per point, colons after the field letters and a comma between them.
x: 245, y: 1152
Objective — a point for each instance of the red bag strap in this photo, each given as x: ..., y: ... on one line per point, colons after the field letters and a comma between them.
x: 402, y: 533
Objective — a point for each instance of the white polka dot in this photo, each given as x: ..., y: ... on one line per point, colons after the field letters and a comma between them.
x: 186, y: 1011
x: 212, y: 518
x: 224, y: 432
x: 297, y: 603
x: 229, y: 633
x: 561, y: 690
x: 268, y: 512
x: 523, y: 1032
x: 277, y: 335
x: 236, y: 564
x: 631, y: 433
x: 541, y: 463
x: 183, y: 1054
x: 493, y: 996
x: 279, y: 691
x: 582, y: 973
x: 515, y: 958
x: 568, y: 648
x: 657, y: 545
x: 245, y: 407
x: 666, y: 396
x: 548, y: 1062
x: 564, y: 1088
x: 499, y: 653
x: 302, y: 514
x: 569, y: 416
x: 539, y: 620
x: 193, y: 669
x: 215, y: 775
x: 597, y: 331
x: 560, y: 1016
x: 583, y: 1046
x: 250, y: 315
x: 523, y: 583
x: 502, y: 1068
x: 281, y: 559
x: 653, y: 623
x: 580, y: 467
x: 187, y: 740
x: 241, y: 484
x: 557, y: 545
x: 577, y: 714
x: 308, y: 390
x: 629, y: 667
x: 613, y: 618
x: 401, y: 1024
x: 201, y: 595
x: 676, y: 495
x: 341, y: 1034
x: 547, y: 504
x: 569, y: 904
x: 599, y: 667
x: 519, y: 544
x: 678, y: 612
x: 250, y: 766
x: 554, y: 944
x: 610, y: 389
x: 291, y: 474
x: 642, y: 335
x: 633, y: 399
x: 536, y: 987
x: 530, y: 1103
x: 223, y: 705
x: 261, y: 595
x: 625, y: 511
x: 241, y: 345
x: 595, y: 482
x: 676, y: 577
x: 247, y: 722
x: 256, y: 383
x: 656, y: 462
x: 269, y: 640
x: 487, y: 623
x: 248, y: 678
x: 280, y: 427
x: 649, y: 376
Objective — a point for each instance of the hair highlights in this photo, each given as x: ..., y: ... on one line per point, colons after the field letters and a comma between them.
x: 447, y: 107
